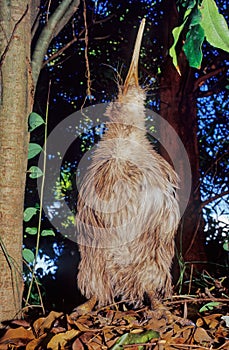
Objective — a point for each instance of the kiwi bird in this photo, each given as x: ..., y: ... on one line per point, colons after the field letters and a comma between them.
x: 127, y: 209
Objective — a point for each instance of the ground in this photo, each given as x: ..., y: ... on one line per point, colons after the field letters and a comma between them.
x: 199, y: 321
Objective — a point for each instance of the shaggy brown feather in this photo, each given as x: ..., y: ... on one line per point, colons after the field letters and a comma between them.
x: 127, y: 211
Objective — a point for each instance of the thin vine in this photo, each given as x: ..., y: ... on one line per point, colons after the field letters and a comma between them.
x: 41, y: 197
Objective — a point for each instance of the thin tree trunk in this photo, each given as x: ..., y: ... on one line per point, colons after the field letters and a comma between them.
x: 15, y: 104
x: 178, y: 107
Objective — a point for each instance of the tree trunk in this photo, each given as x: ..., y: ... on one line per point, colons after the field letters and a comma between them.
x: 178, y: 107
x: 15, y: 104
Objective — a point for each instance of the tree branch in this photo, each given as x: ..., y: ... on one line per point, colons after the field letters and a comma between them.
x: 212, y: 199
x: 35, y: 15
x: 202, y: 79
x: 55, y: 24
x: 59, y: 52
x: 209, y: 168
x: 71, y: 42
x: 67, y: 15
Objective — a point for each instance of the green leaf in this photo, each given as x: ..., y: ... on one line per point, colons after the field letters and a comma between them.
x: 34, y: 149
x: 176, y: 35
x: 47, y: 233
x: 28, y: 255
x: 132, y: 338
x: 35, y: 120
x: 210, y: 306
x: 35, y: 172
x: 193, y: 44
x: 214, y: 25
x: 31, y: 230
x: 29, y: 213
x: 226, y: 246
x: 196, y: 17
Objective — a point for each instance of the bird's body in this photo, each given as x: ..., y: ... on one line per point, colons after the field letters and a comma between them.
x: 127, y: 211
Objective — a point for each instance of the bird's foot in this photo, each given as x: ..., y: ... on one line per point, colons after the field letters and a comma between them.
x: 161, y: 311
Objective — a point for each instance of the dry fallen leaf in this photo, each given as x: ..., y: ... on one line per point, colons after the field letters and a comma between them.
x: 18, y: 336
x: 77, y: 345
x: 36, y: 343
x: 42, y: 325
x: 60, y: 340
x: 105, y: 328
x: 201, y: 336
x: 209, y: 320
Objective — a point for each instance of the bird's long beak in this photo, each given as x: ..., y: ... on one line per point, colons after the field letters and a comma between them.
x: 132, y: 76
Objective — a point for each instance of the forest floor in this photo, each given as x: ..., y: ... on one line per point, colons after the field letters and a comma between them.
x: 185, y: 322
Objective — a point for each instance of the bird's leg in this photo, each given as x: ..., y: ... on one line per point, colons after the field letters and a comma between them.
x: 162, y: 311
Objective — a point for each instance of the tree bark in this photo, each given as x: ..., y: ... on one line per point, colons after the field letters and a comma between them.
x: 178, y: 107
x: 16, y: 19
x: 15, y: 105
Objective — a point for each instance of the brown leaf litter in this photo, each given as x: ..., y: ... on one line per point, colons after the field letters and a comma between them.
x: 117, y: 328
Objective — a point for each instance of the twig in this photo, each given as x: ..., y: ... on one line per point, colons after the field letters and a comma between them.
x: 59, y: 52
x: 223, y: 346
x: 190, y: 282
x: 193, y: 300
x: 212, y: 199
x: 48, y: 8
x: 189, y: 346
x: 138, y: 345
x: 71, y: 42
x: 207, y: 76
x: 88, y: 73
x: 38, y: 289
x: 211, y: 166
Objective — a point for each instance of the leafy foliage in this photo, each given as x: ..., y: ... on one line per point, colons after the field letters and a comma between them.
x: 35, y: 172
x: 201, y: 19
x: 28, y: 255
x: 35, y: 120
x: 34, y: 150
x: 214, y: 25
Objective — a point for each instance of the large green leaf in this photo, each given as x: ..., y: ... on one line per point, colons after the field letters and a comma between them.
x: 193, y: 44
x: 214, y: 25
x: 34, y: 149
x: 176, y: 35
x: 35, y: 120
